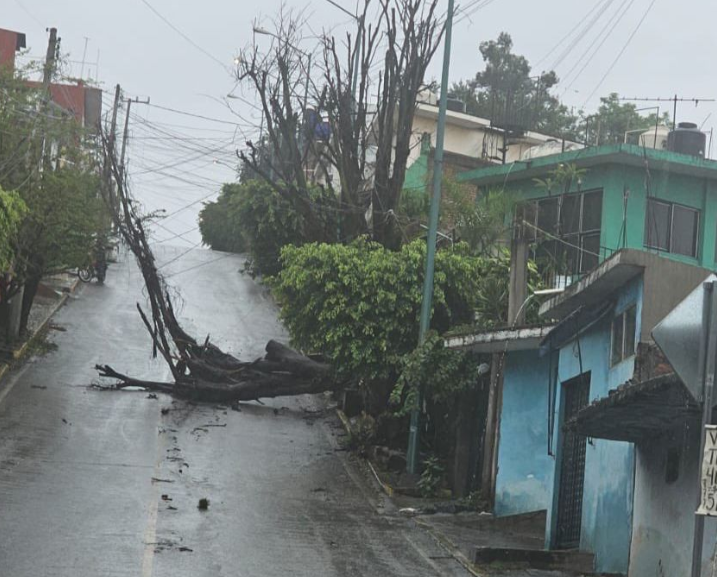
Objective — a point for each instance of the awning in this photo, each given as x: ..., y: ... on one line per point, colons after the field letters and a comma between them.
x: 574, y: 325
x: 636, y: 412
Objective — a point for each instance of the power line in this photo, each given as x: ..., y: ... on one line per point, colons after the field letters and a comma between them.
x: 183, y: 35
x: 570, y: 33
x: 622, y: 51
x: 602, y: 36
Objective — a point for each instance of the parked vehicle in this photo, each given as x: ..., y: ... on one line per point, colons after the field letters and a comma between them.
x: 97, y: 269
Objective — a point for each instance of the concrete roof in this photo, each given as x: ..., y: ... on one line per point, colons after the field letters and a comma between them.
x: 669, y: 282
x: 500, y: 340
x: 625, y: 154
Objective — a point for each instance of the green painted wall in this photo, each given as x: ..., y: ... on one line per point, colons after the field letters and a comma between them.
x: 613, y: 177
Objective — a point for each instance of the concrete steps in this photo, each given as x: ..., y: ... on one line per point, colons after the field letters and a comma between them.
x: 574, y: 561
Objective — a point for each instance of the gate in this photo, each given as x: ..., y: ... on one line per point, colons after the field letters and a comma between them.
x: 572, y: 467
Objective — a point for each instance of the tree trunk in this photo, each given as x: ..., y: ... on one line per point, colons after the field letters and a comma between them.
x: 28, y: 297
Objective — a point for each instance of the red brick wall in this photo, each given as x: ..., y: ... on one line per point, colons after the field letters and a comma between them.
x: 8, y: 44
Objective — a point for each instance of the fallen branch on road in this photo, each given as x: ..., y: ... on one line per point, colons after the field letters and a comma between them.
x: 202, y: 371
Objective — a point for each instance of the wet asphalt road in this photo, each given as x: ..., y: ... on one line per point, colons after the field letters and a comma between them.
x: 103, y: 484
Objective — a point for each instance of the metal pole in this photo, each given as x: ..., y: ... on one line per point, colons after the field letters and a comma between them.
x: 354, y: 80
x: 674, y: 115
x: 426, y: 303
x: 708, y: 364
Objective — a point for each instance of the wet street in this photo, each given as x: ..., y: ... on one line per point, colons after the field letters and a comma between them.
x: 107, y: 483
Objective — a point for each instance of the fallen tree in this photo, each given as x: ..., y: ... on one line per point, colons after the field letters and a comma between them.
x: 201, y: 371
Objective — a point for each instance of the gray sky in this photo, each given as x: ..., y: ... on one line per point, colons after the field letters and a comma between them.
x: 671, y: 52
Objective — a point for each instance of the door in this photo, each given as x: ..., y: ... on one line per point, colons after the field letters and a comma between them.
x: 572, y: 467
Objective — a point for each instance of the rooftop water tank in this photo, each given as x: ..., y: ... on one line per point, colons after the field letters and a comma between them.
x: 687, y: 139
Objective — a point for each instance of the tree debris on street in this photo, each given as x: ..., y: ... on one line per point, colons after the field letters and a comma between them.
x: 202, y: 371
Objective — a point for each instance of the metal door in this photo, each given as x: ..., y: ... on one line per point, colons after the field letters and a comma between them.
x: 572, y: 467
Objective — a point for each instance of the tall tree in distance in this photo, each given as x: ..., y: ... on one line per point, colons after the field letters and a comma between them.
x: 508, y: 93
x: 615, y: 120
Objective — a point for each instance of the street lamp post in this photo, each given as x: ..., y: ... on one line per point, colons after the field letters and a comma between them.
x: 412, y: 457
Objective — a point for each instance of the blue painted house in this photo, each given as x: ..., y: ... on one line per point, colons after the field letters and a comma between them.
x: 562, y: 447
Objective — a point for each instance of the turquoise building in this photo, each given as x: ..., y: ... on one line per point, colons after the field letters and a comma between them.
x: 624, y: 238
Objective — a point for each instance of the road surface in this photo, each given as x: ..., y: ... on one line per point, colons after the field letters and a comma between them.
x: 102, y: 484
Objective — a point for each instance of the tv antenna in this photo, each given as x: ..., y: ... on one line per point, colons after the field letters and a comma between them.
x: 674, y: 99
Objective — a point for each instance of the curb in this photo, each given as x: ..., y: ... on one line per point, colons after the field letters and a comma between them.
x: 19, y: 352
x: 450, y: 547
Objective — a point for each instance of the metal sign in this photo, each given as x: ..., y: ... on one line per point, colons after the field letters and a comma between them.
x: 679, y: 336
x: 708, y: 476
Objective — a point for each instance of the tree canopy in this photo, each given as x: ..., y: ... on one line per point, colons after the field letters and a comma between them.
x: 507, y: 93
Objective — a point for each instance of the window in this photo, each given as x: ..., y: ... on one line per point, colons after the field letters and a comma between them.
x: 624, y: 327
x: 671, y: 227
x: 575, y: 219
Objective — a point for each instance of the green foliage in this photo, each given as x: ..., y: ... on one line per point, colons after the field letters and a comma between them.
x: 478, y: 220
x: 507, y: 82
x: 359, y: 304
x: 431, y: 477
x: 50, y: 161
x: 443, y: 372
x: 561, y: 179
x: 253, y: 215
x: 218, y: 223
x: 614, y: 118
x: 69, y: 212
x: 12, y: 212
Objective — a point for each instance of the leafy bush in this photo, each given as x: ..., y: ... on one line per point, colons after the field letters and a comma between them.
x: 12, y: 211
x: 431, y: 477
x: 253, y: 216
x: 359, y: 304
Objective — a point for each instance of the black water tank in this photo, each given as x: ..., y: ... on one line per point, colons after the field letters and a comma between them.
x: 687, y: 139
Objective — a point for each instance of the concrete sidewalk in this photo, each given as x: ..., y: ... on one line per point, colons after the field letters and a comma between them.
x: 52, y: 295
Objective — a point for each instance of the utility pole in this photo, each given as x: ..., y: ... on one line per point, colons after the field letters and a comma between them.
x: 708, y: 368
x: 125, y: 136
x: 110, y: 153
x: 412, y: 457
x: 47, y: 74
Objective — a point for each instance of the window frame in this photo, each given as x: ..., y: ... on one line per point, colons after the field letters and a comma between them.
x: 531, y: 207
x: 670, y: 230
x: 622, y: 319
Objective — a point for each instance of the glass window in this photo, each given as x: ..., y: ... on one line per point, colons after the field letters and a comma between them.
x: 624, y: 327
x: 657, y: 225
x: 570, y: 214
x: 548, y: 215
x: 590, y: 252
x: 617, y: 330
x: 685, y: 222
x: 630, y: 328
x: 592, y: 211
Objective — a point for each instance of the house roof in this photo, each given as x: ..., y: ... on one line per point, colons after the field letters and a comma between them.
x: 638, y: 411
x: 464, y: 120
x: 621, y: 267
x: 624, y: 154
x: 500, y: 340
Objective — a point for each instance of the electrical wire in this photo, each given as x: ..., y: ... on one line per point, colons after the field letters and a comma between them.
x: 183, y: 35
x: 622, y: 51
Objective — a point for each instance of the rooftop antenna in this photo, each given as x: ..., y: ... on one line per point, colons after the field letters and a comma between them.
x: 84, y: 54
x: 674, y: 99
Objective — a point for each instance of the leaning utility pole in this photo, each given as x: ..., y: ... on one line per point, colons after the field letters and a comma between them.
x: 412, y: 456
x: 47, y: 74
x: 110, y: 156
x: 125, y: 134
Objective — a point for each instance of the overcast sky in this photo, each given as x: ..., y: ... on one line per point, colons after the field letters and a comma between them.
x: 672, y: 51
